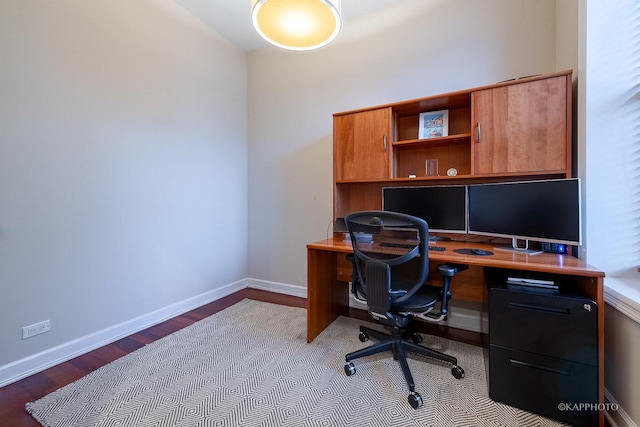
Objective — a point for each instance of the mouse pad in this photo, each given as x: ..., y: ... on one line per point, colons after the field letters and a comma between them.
x: 471, y: 252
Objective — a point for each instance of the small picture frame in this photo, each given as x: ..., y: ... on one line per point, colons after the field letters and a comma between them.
x: 433, y: 124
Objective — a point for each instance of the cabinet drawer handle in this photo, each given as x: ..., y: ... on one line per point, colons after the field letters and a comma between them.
x: 542, y: 308
x: 478, y: 133
x: 384, y: 143
x: 539, y: 367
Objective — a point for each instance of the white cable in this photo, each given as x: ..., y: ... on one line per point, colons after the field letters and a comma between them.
x: 329, y: 227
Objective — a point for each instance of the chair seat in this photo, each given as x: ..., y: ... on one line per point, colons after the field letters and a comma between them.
x: 426, y: 297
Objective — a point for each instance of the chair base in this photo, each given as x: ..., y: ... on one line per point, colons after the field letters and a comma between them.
x: 399, y: 345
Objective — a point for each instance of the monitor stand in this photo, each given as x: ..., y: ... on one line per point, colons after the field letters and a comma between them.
x: 521, y: 250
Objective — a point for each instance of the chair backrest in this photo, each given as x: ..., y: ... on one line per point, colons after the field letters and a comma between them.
x: 389, y: 244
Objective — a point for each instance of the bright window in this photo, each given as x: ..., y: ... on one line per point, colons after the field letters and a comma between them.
x: 612, y: 144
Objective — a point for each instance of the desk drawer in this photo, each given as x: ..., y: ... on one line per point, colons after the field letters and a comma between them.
x: 565, y: 327
x: 541, y: 384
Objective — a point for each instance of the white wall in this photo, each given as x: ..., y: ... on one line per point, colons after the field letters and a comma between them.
x: 123, y: 165
x: 568, y: 37
x: 416, y: 48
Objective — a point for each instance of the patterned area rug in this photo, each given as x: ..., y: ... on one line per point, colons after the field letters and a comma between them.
x: 250, y: 365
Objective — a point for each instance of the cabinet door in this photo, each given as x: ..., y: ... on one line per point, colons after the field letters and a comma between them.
x: 361, y: 145
x: 522, y: 128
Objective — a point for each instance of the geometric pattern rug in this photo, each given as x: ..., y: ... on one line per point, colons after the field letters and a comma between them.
x: 250, y: 365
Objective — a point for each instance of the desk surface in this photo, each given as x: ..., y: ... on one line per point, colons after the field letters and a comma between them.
x: 545, y: 262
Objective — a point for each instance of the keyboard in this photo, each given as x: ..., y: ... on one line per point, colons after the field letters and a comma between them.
x: 397, y: 245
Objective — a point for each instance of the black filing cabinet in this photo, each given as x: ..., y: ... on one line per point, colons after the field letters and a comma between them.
x: 543, y: 352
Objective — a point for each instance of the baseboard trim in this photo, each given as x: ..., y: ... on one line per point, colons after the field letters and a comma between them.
x: 38, y: 362
x: 467, y: 321
x: 277, y: 287
x: 616, y: 416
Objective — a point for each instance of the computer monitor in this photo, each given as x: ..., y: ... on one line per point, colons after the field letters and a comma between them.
x: 547, y: 211
x: 443, y: 207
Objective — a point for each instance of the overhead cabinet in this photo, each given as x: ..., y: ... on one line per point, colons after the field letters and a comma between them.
x: 522, y: 128
x: 519, y: 129
x: 362, y: 150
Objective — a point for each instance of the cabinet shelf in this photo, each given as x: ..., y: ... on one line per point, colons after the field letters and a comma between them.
x: 460, y: 178
x: 417, y: 143
x: 422, y: 179
x: 431, y: 179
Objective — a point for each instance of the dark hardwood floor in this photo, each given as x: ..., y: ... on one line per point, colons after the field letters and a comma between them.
x: 14, y: 396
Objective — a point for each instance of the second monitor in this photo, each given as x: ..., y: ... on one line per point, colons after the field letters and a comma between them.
x: 443, y: 207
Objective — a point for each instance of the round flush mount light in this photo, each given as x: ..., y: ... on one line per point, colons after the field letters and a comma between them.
x: 297, y: 24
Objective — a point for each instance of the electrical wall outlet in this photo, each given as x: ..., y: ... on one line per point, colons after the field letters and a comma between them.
x: 36, y: 329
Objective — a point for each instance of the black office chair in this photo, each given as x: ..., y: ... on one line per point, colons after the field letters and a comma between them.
x: 390, y: 267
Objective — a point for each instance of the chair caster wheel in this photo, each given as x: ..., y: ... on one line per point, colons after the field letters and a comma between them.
x: 415, y: 400
x: 349, y: 369
x: 363, y: 337
x: 416, y: 338
x: 457, y: 372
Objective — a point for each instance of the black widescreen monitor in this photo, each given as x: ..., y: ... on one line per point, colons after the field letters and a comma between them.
x: 546, y: 211
x: 443, y: 207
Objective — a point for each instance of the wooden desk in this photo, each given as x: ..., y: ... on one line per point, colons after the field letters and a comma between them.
x: 328, y: 270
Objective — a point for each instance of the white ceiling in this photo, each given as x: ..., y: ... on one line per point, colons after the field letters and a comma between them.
x: 232, y: 18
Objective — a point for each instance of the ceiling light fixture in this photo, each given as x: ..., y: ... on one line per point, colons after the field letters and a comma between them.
x: 296, y: 24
